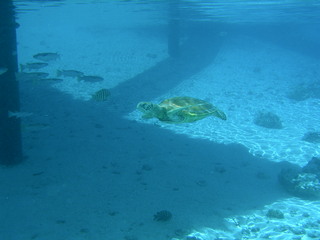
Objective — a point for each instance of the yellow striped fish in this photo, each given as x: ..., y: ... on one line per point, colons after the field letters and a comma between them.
x: 101, y: 95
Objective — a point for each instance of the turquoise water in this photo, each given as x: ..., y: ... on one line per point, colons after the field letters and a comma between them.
x: 98, y: 170
x: 234, y: 11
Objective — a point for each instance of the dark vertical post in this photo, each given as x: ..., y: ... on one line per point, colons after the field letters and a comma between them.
x: 10, y: 132
x: 173, y: 29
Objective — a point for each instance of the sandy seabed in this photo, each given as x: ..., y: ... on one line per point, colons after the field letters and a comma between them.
x: 58, y: 196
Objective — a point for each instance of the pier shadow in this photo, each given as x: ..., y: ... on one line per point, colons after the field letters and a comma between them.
x: 195, y: 54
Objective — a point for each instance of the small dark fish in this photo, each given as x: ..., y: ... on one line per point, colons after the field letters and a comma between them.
x: 101, y: 95
x: 33, y: 66
x: 47, y: 57
x: 69, y: 73
x: 90, y: 78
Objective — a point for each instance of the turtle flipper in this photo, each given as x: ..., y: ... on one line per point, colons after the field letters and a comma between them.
x: 151, y: 110
x: 218, y: 113
x: 177, y: 116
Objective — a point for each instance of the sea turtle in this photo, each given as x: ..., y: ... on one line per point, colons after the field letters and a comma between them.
x: 180, y: 110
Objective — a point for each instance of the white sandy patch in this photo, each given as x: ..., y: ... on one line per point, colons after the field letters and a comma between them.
x: 300, y: 221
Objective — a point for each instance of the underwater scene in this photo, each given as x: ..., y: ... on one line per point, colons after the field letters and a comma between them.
x: 162, y: 120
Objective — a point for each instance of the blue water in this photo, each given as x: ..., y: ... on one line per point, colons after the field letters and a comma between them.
x: 91, y: 173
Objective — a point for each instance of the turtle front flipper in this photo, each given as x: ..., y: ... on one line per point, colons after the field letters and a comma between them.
x: 151, y: 110
x: 218, y: 113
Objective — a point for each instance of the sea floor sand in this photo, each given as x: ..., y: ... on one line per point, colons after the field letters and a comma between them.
x: 92, y: 175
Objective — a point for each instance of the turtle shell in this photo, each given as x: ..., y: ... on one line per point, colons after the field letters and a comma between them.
x: 188, y: 109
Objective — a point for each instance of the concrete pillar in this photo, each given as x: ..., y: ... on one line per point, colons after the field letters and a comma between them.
x: 10, y: 132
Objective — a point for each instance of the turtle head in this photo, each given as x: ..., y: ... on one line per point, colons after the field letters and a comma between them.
x: 148, y: 109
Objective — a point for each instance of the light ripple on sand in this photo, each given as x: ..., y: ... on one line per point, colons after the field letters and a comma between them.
x: 301, y: 221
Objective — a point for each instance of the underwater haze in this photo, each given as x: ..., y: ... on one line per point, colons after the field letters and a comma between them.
x: 164, y: 120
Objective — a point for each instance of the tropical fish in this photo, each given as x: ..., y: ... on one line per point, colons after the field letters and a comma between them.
x: 69, y: 73
x: 3, y: 70
x: 19, y: 114
x: 47, y: 56
x: 101, y: 95
x: 90, y: 78
x: 33, y: 66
